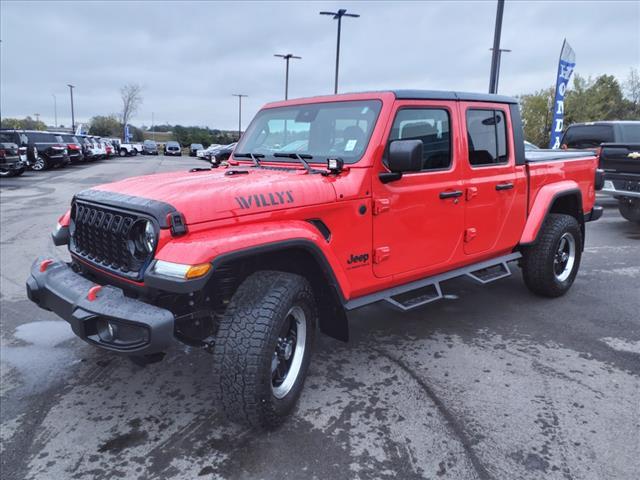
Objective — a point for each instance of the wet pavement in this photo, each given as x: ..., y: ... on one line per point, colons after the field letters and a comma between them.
x: 490, y: 383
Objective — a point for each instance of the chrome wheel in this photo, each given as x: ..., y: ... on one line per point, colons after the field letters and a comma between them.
x: 39, y: 164
x: 565, y: 257
x: 286, y: 362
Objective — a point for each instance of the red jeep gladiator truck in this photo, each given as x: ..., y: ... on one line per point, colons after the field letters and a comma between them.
x: 327, y: 204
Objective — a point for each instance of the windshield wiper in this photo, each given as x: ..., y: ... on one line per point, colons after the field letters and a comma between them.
x: 303, y: 157
x: 252, y: 156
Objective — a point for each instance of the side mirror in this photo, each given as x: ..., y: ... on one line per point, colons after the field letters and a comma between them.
x: 404, y: 156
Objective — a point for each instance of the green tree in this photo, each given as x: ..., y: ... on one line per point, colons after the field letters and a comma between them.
x: 26, y: 123
x: 536, y: 114
x: 105, y: 126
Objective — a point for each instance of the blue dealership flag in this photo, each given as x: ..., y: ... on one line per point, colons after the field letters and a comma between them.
x: 126, y: 133
x: 565, y: 68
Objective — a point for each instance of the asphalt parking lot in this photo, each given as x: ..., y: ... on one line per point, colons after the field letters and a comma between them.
x: 490, y: 383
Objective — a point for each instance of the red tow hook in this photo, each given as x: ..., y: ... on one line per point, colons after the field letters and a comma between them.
x: 44, y: 264
x: 93, y: 292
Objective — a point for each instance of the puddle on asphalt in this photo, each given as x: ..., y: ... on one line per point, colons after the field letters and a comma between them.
x: 39, y: 363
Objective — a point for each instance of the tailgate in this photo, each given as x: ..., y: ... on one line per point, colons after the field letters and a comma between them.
x: 620, y: 158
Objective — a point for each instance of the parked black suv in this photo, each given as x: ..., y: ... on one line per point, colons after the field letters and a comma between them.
x: 44, y: 149
x: 618, y: 143
x: 10, y: 163
x: 149, y: 147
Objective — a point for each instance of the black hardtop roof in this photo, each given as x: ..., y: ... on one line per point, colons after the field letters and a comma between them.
x: 447, y: 95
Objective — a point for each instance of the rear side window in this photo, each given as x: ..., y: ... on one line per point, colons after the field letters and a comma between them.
x: 487, y: 137
x: 630, y: 132
x: 432, y: 126
x: 587, y: 136
x: 42, y: 137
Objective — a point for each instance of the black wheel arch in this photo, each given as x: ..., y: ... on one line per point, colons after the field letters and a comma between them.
x: 299, y: 256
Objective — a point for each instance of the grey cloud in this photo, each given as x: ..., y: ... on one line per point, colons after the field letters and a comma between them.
x: 190, y: 56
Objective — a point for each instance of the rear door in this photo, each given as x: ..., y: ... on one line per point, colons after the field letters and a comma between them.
x: 495, y: 189
x: 418, y: 219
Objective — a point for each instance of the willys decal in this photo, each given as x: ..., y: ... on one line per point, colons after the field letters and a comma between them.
x: 269, y: 199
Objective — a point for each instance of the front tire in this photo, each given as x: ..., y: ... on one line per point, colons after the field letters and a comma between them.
x: 550, y: 266
x: 629, y: 209
x: 40, y: 164
x: 263, y: 348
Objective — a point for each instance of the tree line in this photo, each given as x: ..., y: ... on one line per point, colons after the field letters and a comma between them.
x: 589, y: 99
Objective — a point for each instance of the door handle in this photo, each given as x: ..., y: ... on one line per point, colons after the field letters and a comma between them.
x: 450, y: 194
x: 504, y: 186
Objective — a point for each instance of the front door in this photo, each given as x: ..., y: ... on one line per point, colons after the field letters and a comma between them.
x: 418, y: 219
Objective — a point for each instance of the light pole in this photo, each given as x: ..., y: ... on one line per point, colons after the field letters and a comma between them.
x: 497, y: 77
x: 37, y: 115
x: 495, y: 58
x: 73, y: 118
x: 153, y: 131
x: 338, y: 16
x: 239, y: 95
x: 55, y: 109
x: 287, y: 57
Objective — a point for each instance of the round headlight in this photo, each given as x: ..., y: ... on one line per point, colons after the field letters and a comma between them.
x: 149, y: 237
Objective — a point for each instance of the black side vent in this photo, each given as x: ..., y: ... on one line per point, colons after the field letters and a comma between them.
x: 322, y: 228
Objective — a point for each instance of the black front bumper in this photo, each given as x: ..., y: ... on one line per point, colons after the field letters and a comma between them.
x: 109, y: 320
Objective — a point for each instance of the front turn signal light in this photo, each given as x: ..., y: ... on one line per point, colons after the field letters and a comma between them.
x: 179, y: 270
x: 197, y: 271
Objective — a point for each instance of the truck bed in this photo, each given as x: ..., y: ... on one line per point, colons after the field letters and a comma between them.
x: 548, y: 155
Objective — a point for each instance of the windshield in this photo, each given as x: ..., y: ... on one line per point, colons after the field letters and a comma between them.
x: 323, y: 130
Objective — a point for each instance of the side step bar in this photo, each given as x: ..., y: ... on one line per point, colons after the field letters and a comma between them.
x: 420, y: 292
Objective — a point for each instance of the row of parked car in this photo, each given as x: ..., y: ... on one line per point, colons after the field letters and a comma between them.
x: 38, y: 150
x: 41, y: 150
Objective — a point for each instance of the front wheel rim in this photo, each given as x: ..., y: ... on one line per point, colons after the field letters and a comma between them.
x: 288, y: 356
x: 39, y: 165
x: 565, y: 257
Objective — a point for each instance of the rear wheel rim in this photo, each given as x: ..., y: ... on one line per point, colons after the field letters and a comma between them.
x: 286, y: 362
x: 565, y: 257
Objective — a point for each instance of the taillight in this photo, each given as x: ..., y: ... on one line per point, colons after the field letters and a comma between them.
x: 3, y: 153
x: 73, y: 146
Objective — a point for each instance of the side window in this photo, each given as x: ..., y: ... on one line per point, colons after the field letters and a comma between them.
x: 432, y: 126
x: 487, y: 137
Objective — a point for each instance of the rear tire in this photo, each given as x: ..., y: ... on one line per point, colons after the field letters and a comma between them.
x: 629, y: 209
x: 7, y: 173
x: 122, y: 152
x: 550, y: 266
x: 263, y: 348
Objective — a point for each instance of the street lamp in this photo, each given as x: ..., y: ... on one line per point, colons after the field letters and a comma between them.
x: 239, y: 95
x: 73, y: 119
x: 338, y: 16
x: 497, y: 75
x: 493, y: 79
x: 287, y: 57
x: 55, y: 109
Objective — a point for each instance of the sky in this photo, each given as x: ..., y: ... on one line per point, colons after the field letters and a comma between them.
x: 190, y: 57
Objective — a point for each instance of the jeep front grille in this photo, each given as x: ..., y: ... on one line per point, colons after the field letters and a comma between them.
x: 100, y: 235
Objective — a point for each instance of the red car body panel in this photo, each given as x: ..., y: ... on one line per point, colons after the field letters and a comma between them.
x: 382, y: 234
